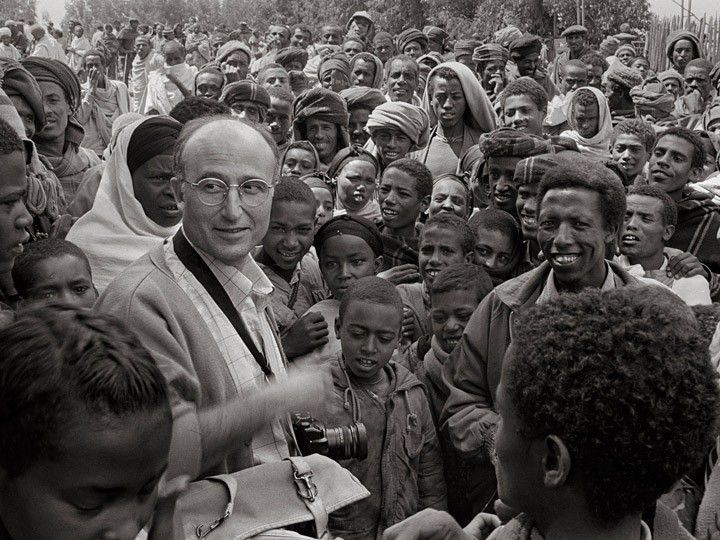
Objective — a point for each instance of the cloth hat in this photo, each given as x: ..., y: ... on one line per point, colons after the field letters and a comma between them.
x: 490, y: 52
x: 353, y: 226
x: 530, y: 170
x: 155, y: 136
x: 5, y: 31
x: 623, y: 75
x: 624, y: 36
x: 653, y: 95
x: 288, y: 55
x: 10, y: 22
x: 362, y: 97
x: 574, y: 29
x: 509, y: 142
x: 351, y: 153
x: 359, y: 15
x: 506, y: 35
x: 608, y: 46
x: 335, y: 61
x: 626, y: 47
x: 383, y: 35
x: 411, y: 34
x: 324, y: 105
x: 432, y: 59
x: 525, y: 45
x: 465, y: 46
x: 226, y: 49
x: 370, y: 57
x: 17, y: 81
x: 671, y: 74
x: 678, y: 35
x: 245, y: 91
x: 435, y: 33
x: 410, y: 119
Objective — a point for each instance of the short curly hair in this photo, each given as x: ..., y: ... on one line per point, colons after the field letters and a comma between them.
x: 639, y: 128
x: 585, y: 173
x: 670, y: 212
x: 585, y: 98
x: 596, y: 60
x: 421, y: 174
x: 373, y: 290
x: 624, y: 379
x: 463, y: 277
x: 526, y: 86
x: 455, y: 224
x: 699, y: 154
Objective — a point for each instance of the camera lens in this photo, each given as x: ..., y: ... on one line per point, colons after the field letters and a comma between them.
x: 347, y: 442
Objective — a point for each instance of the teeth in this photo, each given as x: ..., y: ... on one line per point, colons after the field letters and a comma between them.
x: 366, y: 363
x: 391, y: 213
x: 631, y: 237
x: 565, y: 259
x: 529, y: 221
x: 287, y: 254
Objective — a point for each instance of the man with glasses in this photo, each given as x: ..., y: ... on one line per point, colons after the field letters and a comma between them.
x: 200, y: 304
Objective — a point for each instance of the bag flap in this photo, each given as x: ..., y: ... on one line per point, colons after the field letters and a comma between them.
x: 266, y: 499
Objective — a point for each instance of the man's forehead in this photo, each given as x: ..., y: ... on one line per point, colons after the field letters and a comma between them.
x: 636, y: 201
x: 227, y: 137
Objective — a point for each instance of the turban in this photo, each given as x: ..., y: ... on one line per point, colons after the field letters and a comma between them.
x: 653, y: 95
x: 382, y: 36
x: 678, y: 35
x: 608, y: 46
x: 10, y: 22
x: 324, y: 105
x: 624, y: 36
x: 671, y: 74
x: 626, y: 47
x: 218, y: 39
x: 288, y: 55
x: 623, y: 75
x: 351, y: 153
x: 245, y: 91
x: 465, y: 46
x: 353, y: 226
x: 506, y: 35
x: 509, y: 142
x: 359, y: 15
x: 490, y: 52
x: 226, y: 49
x: 334, y: 61
x: 531, y: 170
x: 411, y: 120
x: 5, y: 31
x: 369, y: 57
x: 411, y: 34
x: 17, y: 81
x: 525, y: 45
x: 432, y: 59
x: 155, y: 136
x: 362, y: 97
x: 47, y: 70
x: 574, y: 29
x: 435, y: 33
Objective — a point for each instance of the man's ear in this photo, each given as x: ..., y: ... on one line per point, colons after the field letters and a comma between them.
x: 556, y: 462
x: 377, y: 264
x: 668, y: 232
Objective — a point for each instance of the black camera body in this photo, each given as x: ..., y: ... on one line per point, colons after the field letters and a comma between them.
x: 343, y: 442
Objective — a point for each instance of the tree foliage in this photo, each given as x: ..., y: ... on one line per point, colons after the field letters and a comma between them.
x: 18, y: 9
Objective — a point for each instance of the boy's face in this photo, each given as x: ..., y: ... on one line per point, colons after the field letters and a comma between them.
x: 399, y: 200
x: 392, y: 144
x: 356, y: 184
x: 439, y: 248
x: 65, y: 278
x: 526, y: 207
x: 449, y: 316
x: 278, y: 119
x: 346, y: 258
x: 103, y: 483
x: 14, y: 215
x: 644, y: 232
x: 587, y: 118
x: 358, y: 121
x: 671, y: 164
x: 298, y: 162
x: 630, y: 153
x: 495, y: 252
x: 520, y: 112
x: 324, y: 208
x: 368, y: 334
x: 574, y: 78
x: 290, y: 233
x: 501, y: 178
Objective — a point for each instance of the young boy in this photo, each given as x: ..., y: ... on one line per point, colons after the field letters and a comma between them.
x: 631, y: 144
x: 498, y: 244
x: 403, y: 469
x: 54, y: 269
x: 348, y: 248
x: 296, y: 278
x: 279, y: 116
x: 445, y: 239
x: 85, y: 427
x: 404, y: 193
x: 355, y: 171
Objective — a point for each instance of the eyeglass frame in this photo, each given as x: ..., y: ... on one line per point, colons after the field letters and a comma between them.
x: 196, y: 184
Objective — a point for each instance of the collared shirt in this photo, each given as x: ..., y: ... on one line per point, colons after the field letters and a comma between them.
x: 550, y: 291
x: 249, y: 291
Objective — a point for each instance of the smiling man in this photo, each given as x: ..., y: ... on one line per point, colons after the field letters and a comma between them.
x: 580, y: 210
x: 200, y: 304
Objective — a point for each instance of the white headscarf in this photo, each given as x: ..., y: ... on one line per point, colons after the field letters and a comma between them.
x: 598, y: 146
x: 116, y: 231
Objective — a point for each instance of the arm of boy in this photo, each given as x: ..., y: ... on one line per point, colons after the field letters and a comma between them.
x: 308, y: 333
x: 431, y: 480
x: 468, y: 414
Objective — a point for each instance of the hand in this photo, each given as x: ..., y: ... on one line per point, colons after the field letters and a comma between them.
x: 498, y: 83
x: 232, y: 73
x: 504, y: 512
x: 306, y: 334
x: 94, y: 78
x: 405, y: 273
x: 685, y: 265
x: 305, y: 389
x: 408, y: 325
x: 428, y: 524
x: 482, y: 525
x: 163, y: 517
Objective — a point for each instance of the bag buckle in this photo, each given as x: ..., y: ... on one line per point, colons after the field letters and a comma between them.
x: 201, y: 531
x: 306, y: 488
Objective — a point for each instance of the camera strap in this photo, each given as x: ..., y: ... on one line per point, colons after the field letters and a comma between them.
x: 192, y: 260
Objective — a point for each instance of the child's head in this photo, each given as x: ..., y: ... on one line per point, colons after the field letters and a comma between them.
x: 86, y: 427
x: 445, y: 239
x: 404, y: 192
x: 368, y: 326
x: 292, y: 224
x: 299, y: 159
x: 456, y: 292
x: 641, y: 65
x: 632, y: 143
x: 498, y: 242
x: 450, y: 194
x: 355, y: 171
x: 54, y: 270
x: 584, y: 116
x: 596, y: 410
x: 279, y: 115
x: 324, y: 191
x: 349, y: 248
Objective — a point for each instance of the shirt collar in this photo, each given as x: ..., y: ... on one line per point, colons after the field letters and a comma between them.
x: 550, y: 291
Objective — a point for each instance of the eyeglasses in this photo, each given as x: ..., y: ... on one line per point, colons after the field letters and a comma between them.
x: 213, y: 192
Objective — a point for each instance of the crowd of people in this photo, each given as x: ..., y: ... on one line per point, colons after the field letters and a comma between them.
x: 495, y: 265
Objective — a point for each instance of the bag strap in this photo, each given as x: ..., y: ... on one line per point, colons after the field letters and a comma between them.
x: 195, y: 263
x: 229, y: 481
x: 308, y: 493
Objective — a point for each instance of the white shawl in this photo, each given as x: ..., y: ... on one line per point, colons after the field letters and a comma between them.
x: 598, y: 146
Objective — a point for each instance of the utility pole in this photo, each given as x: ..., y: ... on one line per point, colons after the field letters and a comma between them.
x: 578, y: 18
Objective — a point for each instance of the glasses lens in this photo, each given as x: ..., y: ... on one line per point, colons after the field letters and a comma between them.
x: 254, y: 192
x: 212, y: 191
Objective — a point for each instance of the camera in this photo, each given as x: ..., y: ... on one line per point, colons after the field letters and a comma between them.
x: 343, y: 442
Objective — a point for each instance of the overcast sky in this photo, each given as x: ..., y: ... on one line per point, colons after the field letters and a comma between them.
x: 56, y: 8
